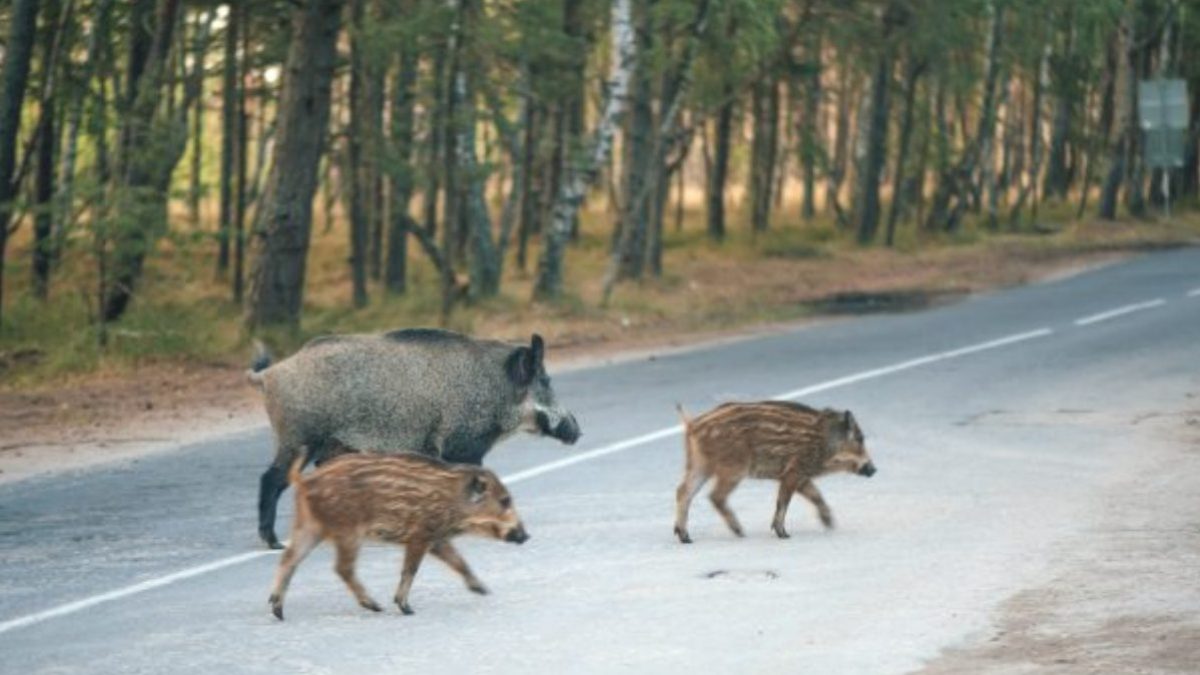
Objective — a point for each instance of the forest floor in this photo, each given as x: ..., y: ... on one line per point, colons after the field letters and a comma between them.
x: 174, y: 368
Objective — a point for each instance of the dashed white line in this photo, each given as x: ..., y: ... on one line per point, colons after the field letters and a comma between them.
x: 142, y: 587
x: 1119, y: 311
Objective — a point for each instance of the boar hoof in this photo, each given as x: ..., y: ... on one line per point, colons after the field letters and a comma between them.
x: 371, y: 605
x: 276, y: 607
x: 683, y: 536
x: 270, y: 539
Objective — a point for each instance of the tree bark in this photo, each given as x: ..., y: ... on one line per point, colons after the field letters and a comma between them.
x: 284, y: 215
x: 18, y: 54
x: 230, y: 90
x: 152, y: 147
x: 810, y: 137
x: 581, y: 174
x: 1123, y: 89
x: 899, y: 190
x: 877, y: 134
x: 46, y: 139
x: 355, y: 173
x: 720, y: 167
x: 401, y: 174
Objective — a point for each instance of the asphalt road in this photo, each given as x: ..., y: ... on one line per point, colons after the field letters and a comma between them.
x: 999, y: 425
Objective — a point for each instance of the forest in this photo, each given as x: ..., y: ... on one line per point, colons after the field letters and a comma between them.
x: 273, y: 165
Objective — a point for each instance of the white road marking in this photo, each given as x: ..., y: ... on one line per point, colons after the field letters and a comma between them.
x: 79, y: 605
x: 1119, y: 311
x: 1193, y: 293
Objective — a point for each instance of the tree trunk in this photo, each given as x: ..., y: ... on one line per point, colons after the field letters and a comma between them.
x: 549, y: 283
x: 230, y: 91
x: 149, y: 154
x: 199, y: 51
x: 720, y: 167
x: 46, y: 137
x: 354, y: 174
x: 763, y: 147
x: 402, y: 171
x: 1057, y: 177
x: 877, y: 138
x: 239, y: 13
x: 284, y: 215
x: 841, y: 140
x: 638, y: 145
x: 18, y: 53
x: 1123, y: 89
x: 906, y: 124
x: 664, y: 136
x: 1035, y: 141
x: 810, y: 136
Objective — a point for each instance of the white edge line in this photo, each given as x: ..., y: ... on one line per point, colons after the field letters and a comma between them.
x: 1193, y: 293
x: 1119, y: 311
x: 79, y: 605
x: 72, y: 607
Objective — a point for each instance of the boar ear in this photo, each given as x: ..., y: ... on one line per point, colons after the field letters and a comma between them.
x: 524, y: 363
x: 538, y: 347
x: 521, y: 367
x: 476, y: 489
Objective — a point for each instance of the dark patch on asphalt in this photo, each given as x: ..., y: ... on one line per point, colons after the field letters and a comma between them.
x: 743, y: 575
x: 859, y: 302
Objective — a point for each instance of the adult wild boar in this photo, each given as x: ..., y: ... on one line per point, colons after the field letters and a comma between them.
x: 435, y: 392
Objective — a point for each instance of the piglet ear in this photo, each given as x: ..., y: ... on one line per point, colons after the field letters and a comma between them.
x: 476, y: 489
x: 848, y: 420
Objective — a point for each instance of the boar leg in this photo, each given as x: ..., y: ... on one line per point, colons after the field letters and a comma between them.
x: 347, y: 554
x: 413, y: 553
x: 719, y: 497
x: 271, y: 485
x: 787, y: 486
x: 810, y: 491
x: 445, y: 551
x: 303, y: 541
x: 693, y: 480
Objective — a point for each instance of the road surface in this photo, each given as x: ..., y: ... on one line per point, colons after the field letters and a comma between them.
x: 1035, y: 507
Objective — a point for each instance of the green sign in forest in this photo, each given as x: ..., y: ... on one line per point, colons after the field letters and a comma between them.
x: 1163, y: 113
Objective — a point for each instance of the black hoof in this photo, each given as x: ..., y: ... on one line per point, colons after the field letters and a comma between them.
x: 683, y: 536
x: 270, y: 540
x: 371, y: 605
x: 478, y: 588
x: 276, y: 607
x: 782, y: 533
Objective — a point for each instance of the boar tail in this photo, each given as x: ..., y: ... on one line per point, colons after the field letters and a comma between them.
x: 258, y: 363
x: 687, y: 420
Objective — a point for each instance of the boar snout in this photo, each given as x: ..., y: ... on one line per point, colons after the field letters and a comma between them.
x: 566, y: 430
x: 867, y: 470
x: 517, y: 535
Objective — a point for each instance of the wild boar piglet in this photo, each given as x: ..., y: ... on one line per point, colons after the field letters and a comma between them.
x: 780, y: 440
x: 409, y: 499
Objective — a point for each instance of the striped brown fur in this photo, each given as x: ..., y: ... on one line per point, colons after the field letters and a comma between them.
x: 408, y: 499
x: 779, y: 440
